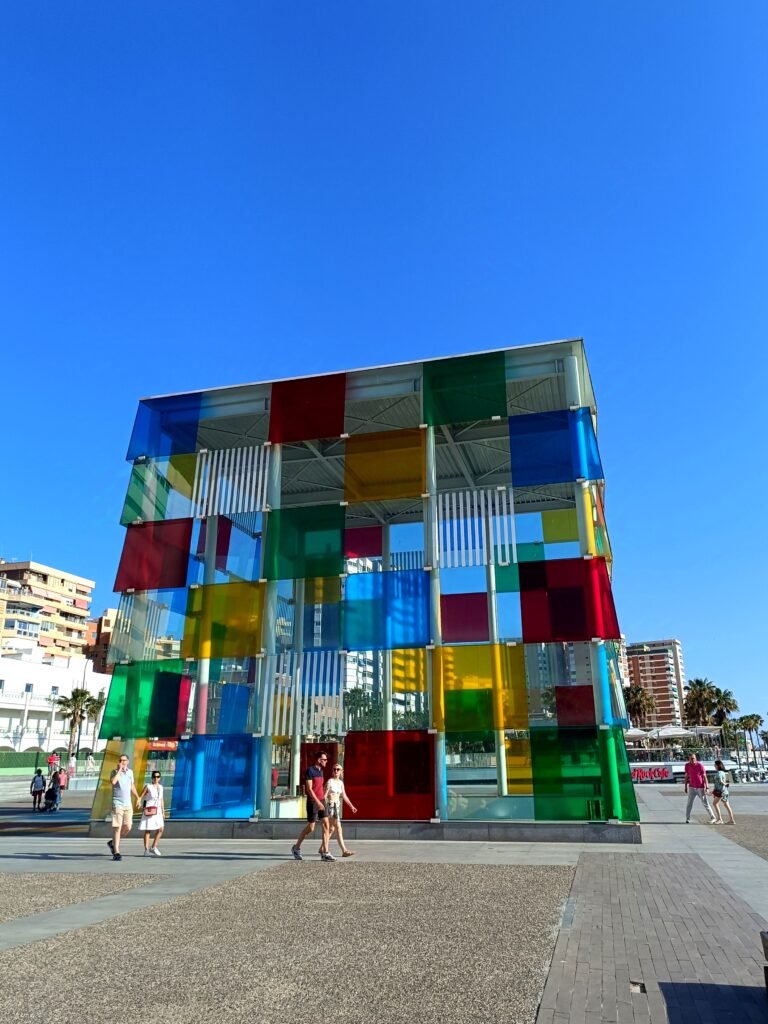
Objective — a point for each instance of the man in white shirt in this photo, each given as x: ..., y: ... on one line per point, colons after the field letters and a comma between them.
x: 123, y: 788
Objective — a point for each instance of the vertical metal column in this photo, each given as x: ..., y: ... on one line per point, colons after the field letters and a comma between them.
x: 386, y: 654
x: 295, y: 716
x: 269, y: 633
x: 598, y: 665
x: 204, y: 661
x: 497, y: 681
x: 436, y: 697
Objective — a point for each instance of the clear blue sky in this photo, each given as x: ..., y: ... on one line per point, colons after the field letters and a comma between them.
x: 195, y: 194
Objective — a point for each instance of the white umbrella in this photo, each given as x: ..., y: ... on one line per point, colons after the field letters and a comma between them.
x: 670, y: 732
x: 635, y: 734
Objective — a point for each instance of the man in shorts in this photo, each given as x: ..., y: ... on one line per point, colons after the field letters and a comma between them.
x: 123, y: 788
x: 314, y: 787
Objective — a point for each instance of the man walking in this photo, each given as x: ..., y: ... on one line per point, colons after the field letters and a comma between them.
x: 696, y: 786
x: 314, y: 787
x: 123, y: 788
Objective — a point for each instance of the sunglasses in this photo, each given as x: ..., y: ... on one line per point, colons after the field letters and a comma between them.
x: 337, y: 769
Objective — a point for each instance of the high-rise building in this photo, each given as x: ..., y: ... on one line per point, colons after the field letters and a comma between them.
x: 98, y: 636
x: 42, y: 607
x: 657, y: 666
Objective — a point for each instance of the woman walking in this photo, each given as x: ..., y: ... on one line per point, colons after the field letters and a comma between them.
x: 720, y: 794
x: 335, y: 796
x: 152, y: 806
x: 37, y: 788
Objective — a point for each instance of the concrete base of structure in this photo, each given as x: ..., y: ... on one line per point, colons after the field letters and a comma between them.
x: 457, y: 831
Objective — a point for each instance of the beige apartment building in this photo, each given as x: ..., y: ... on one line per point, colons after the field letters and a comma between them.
x: 657, y: 666
x: 42, y: 608
x: 98, y: 636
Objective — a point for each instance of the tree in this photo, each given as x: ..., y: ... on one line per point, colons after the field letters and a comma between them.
x: 751, y: 724
x: 639, y: 703
x: 699, y: 701
x: 80, y: 704
x: 723, y: 705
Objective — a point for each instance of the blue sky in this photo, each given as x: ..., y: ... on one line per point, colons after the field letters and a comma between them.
x: 195, y: 194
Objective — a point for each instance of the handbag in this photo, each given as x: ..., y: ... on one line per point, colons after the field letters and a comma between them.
x: 150, y: 809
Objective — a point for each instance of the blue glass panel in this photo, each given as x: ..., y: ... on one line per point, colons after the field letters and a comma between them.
x: 233, y: 713
x: 215, y: 777
x: 385, y: 610
x: 322, y: 627
x: 553, y: 447
x: 165, y: 426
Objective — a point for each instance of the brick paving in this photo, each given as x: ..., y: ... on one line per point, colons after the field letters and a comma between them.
x: 663, y: 922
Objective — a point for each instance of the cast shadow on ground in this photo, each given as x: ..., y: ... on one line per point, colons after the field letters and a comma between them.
x: 689, y: 1001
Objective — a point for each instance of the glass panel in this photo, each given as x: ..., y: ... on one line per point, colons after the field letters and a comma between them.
x: 391, y: 775
x: 587, y: 463
x: 138, y: 752
x: 409, y: 670
x: 567, y: 778
x: 386, y: 610
x: 233, y: 706
x: 384, y: 466
x: 160, y: 489
x: 464, y: 618
x: 553, y: 447
x: 483, y: 686
x: 165, y: 426
x: 238, y: 549
x: 567, y: 600
x: 223, y: 621
x: 155, y: 556
x: 472, y: 777
x: 305, y: 542
x: 560, y: 525
x: 628, y: 798
x: 533, y: 552
x: 507, y: 579
x: 149, y: 626
x: 307, y: 409
x: 575, y: 705
x: 216, y: 777
x: 363, y: 542
x: 146, y: 699
x: 465, y: 389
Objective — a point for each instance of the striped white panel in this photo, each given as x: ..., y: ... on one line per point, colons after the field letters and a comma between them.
x: 475, y: 527
x: 230, y: 481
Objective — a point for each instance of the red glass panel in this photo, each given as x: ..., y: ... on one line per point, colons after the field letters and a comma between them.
x: 310, y: 753
x: 391, y: 775
x: 566, y: 600
x: 185, y: 693
x: 575, y: 705
x: 223, y: 537
x: 304, y: 410
x: 155, y: 556
x: 464, y: 618
x: 363, y: 542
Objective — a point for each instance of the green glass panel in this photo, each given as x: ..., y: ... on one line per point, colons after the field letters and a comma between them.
x: 143, y: 700
x: 465, y: 389
x: 468, y: 710
x: 629, y: 809
x: 567, y: 776
x: 508, y: 579
x: 160, y: 489
x: 305, y: 542
x: 533, y: 552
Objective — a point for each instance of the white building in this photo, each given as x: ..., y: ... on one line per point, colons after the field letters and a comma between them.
x: 29, y: 719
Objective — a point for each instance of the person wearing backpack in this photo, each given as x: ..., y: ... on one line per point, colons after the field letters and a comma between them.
x: 37, y: 788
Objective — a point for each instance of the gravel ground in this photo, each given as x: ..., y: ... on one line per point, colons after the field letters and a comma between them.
x: 354, y: 942
x: 22, y: 895
x: 750, y: 831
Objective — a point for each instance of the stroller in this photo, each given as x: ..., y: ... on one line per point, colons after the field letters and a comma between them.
x: 50, y: 799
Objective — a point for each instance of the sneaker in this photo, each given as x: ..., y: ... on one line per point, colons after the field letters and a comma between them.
x: 296, y: 853
x: 147, y: 853
x: 111, y: 846
x: 155, y: 852
x: 687, y: 821
x: 717, y: 821
x: 327, y: 856
x: 117, y: 856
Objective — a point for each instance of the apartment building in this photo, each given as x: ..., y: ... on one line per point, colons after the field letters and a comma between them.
x: 657, y: 666
x: 98, y: 635
x: 42, y: 608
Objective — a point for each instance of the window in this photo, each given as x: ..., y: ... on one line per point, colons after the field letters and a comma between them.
x: 28, y: 688
x: 54, y: 691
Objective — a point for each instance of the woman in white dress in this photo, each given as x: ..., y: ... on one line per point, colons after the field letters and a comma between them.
x: 335, y: 797
x: 152, y: 809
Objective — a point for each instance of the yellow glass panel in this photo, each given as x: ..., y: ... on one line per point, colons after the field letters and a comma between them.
x: 409, y: 670
x: 138, y: 752
x: 387, y: 465
x: 223, y: 621
x: 494, y: 667
x: 560, y: 525
x: 323, y: 590
x: 181, y: 473
x: 519, y: 777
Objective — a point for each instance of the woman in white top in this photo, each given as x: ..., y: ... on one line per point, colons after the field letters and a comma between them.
x: 152, y: 809
x: 335, y: 796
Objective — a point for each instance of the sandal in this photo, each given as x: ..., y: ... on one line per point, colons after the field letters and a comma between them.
x: 348, y: 853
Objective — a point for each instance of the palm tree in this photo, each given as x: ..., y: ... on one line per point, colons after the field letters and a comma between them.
x: 80, y: 704
x: 724, y: 704
x: 751, y: 724
x: 639, y: 703
x: 699, y: 701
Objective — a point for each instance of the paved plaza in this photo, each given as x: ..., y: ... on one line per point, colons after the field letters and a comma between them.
x: 235, y: 931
